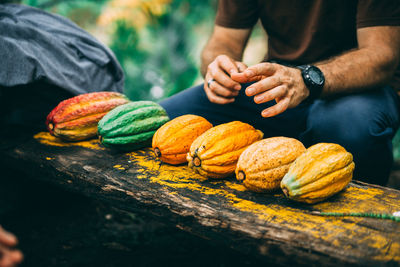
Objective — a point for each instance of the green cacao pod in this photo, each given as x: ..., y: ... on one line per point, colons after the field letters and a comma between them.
x: 131, y: 126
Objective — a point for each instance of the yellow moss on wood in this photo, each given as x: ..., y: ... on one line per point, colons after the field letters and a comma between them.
x: 332, y: 230
x: 47, y: 139
x: 176, y: 180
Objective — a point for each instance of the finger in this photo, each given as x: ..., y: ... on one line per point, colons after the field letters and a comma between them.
x: 227, y: 64
x: 241, y: 66
x: 280, y: 107
x: 217, y: 99
x: 263, y: 85
x: 218, y: 89
x: 7, y: 238
x: 6, y: 261
x: 255, y: 73
x: 223, y: 79
x: 10, y: 258
x: 222, y: 91
x: 276, y: 93
x: 260, y: 70
x: 16, y: 256
x: 239, y: 77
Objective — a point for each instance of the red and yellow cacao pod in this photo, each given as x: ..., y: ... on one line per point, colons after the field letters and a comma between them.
x: 319, y: 173
x: 76, y: 118
x: 172, y: 141
x: 263, y: 164
x: 215, y: 153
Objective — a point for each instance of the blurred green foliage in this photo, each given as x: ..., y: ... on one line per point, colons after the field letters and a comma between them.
x: 159, y: 59
x: 396, y: 146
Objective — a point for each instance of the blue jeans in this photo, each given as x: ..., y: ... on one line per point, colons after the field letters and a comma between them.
x: 363, y: 123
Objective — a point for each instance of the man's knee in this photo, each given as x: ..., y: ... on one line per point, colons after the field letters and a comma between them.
x: 185, y: 102
x: 352, y: 120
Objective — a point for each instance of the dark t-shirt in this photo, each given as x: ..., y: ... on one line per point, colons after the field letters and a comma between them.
x: 307, y: 31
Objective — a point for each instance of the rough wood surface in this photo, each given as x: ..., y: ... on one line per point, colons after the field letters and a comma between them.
x: 267, y: 226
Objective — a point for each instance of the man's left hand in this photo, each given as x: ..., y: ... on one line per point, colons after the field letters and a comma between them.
x: 274, y: 81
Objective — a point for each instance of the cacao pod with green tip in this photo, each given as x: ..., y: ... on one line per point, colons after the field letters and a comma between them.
x: 322, y: 171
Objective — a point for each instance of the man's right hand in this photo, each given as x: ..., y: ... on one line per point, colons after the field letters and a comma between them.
x: 218, y: 85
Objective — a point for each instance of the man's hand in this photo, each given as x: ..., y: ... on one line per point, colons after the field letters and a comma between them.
x: 218, y: 85
x: 274, y: 81
x: 8, y: 256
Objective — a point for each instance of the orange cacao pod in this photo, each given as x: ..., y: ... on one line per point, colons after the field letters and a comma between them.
x: 263, y: 164
x: 172, y: 141
x: 216, y: 152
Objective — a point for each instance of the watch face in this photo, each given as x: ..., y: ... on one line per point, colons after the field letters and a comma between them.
x: 316, y: 75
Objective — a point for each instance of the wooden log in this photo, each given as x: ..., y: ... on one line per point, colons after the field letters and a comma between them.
x: 267, y: 226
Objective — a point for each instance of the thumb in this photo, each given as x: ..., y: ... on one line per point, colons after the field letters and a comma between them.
x: 259, y: 71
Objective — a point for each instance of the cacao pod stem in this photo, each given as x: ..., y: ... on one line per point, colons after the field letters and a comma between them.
x: 157, y: 152
x: 241, y: 176
x: 285, y: 191
x: 197, y: 162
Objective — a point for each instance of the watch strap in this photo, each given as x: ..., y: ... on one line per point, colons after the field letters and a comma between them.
x: 314, y: 88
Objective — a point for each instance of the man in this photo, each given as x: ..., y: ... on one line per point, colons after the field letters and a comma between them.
x: 330, y: 75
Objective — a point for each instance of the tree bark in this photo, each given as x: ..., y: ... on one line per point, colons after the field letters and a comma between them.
x: 266, y: 226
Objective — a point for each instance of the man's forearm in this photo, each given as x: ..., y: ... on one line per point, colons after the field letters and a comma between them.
x: 363, y: 68
x: 356, y: 70
x: 224, y: 41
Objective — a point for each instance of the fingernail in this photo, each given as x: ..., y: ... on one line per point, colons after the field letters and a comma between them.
x: 232, y: 71
x: 265, y: 113
x: 237, y: 87
x: 250, y: 90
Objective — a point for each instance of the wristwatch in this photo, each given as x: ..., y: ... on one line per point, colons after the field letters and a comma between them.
x: 313, y: 78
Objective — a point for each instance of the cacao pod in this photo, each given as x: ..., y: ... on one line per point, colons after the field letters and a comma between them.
x: 263, y: 164
x: 131, y: 126
x: 215, y: 153
x: 172, y: 141
x: 322, y: 171
x: 76, y: 118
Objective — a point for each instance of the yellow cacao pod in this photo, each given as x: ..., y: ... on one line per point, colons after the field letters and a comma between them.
x: 322, y: 171
x: 263, y: 164
x: 215, y: 153
x: 172, y: 141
